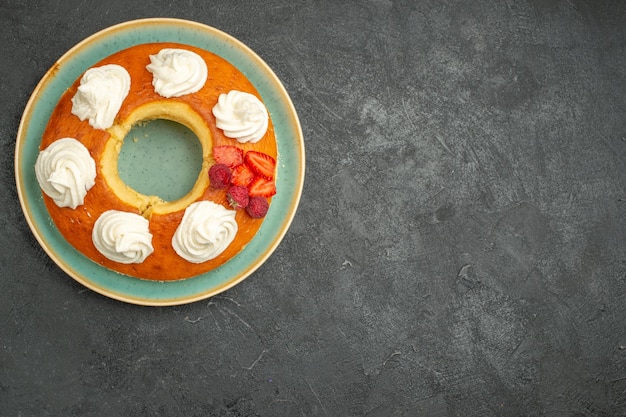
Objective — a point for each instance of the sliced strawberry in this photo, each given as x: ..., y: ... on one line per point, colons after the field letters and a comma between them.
x: 228, y: 155
x: 241, y: 175
x: 261, y: 164
x: 262, y: 187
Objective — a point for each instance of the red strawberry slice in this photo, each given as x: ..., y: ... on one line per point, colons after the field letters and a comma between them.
x: 261, y: 164
x: 241, y: 175
x: 228, y: 155
x: 262, y: 187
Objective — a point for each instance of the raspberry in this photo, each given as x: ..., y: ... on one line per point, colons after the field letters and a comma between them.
x: 257, y: 207
x: 219, y: 175
x: 238, y: 197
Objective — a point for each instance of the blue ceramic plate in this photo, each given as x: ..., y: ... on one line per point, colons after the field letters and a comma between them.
x: 289, y: 178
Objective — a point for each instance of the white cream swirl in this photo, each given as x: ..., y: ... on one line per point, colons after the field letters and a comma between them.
x: 241, y: 116
x: 66, y: 171
x: 122, y: 237
x: 176, y: 72
x: 206, y: 231
x: 100, y: 95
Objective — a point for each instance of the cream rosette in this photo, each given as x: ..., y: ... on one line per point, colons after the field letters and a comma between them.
x: 122, y: 237
x: 100, y: 95
x: 242, y: 116
x: 176, y: 72
x: 205, y: 231
x: 66, y: 171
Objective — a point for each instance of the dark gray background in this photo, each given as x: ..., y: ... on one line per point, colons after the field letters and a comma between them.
x: 459, y: 250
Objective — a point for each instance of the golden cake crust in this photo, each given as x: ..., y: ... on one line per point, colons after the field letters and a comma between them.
x: 76, y: 225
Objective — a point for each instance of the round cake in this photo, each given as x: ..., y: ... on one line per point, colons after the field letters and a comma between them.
x: 140, y: 235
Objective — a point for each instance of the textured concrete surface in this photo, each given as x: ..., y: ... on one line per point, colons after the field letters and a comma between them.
x: 460, y: 248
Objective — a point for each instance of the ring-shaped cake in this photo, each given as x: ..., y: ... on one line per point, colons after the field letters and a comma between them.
x: 161, y: 248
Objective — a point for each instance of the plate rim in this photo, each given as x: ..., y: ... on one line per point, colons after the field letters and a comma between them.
x: 110, y: 32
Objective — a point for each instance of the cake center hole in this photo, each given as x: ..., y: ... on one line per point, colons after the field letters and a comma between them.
x: 160, y: 157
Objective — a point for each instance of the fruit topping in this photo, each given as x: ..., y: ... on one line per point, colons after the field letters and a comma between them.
x: 262, y: 187
x: 228, y: 155
x: 257, y: 207
x: 261, y: 164
x: 242, y: 175
x: 238, y: 197
x: 220, y: 176
x: 248, y: 178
